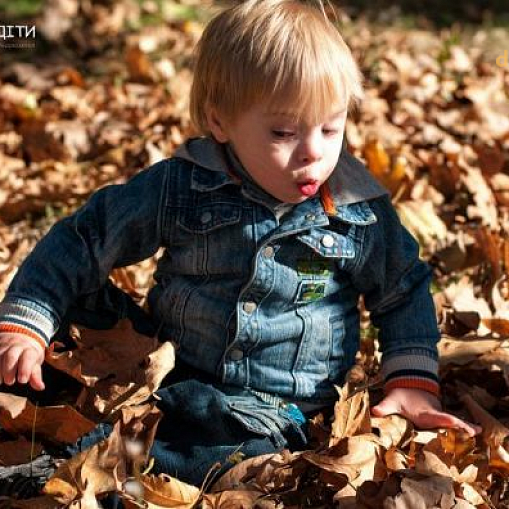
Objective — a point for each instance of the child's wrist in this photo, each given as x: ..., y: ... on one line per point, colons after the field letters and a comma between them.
x: 427, y: 385
x: 30, y: 335
x: 411, y: 370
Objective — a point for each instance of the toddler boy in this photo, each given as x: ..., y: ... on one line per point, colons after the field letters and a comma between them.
x: 271, y: 230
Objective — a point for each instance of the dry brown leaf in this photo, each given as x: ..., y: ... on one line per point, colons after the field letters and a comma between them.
x: 105, y: 353
x: 43, y: 502
x: 73, y: 134
x: 495, y: 435
x: 372, y: 495
x: 57, y: 423
x: 461, y: 352
x: 500, y: 185
x: 470, y: 494
x: 422, y: 221
x: 165, y: 491
x: 124, y: 367
x: 351, y: 415
x: 423, y: 437
x: 111, y: 395
x: 463, y: 299
x: 485, y: 205
x: 236, y: 499
x: 139, y: 65
x: 87, y: 495
x: 393, y: 430
x: 102, y: 467
x: 139, y: 424
x: 280, y: 472
x: 391, y: 172
x: 434, y: 492
x: 430, y: 463
x: 395, y: 459
x: 40, y: 144
x: 242, y: 473
x: 16, y: 452
x: 89, y: 472
x: 122, y: 278
x: 358, y: 458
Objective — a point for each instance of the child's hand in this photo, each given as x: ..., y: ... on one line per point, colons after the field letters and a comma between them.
x: 422, y: 408
x: 21, y: 358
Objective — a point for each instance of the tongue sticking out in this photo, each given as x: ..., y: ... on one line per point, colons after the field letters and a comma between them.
x: 308, y: 188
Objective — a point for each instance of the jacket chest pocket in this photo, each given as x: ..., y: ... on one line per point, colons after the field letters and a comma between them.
x: 315, y: 279
x: 317, y: 273
x: 206, y: 238
x: 204, y: 219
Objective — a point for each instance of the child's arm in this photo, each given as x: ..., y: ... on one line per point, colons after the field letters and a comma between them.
x: 119, y: 225
x: 395, y: 284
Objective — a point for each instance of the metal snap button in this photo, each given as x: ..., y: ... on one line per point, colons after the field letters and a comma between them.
x: 206, y: 217
x: 249, y: 306
x: 310, y: 217
x: 327, y: 241
x: 236, y: 354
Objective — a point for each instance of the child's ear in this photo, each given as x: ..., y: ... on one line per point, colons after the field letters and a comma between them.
x: 217, y: 124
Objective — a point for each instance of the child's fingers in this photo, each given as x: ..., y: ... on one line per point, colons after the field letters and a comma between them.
x: 386, y: 407
x: 9, y: 361
x: 26, y: 363
x: 36, y: 378
x: 444, y: 420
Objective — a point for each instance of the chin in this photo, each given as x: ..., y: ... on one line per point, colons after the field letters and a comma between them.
x: 300, y: 199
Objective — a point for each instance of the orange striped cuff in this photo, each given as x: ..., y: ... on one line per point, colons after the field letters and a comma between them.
x: 413, y: 383
x: 18, y: 329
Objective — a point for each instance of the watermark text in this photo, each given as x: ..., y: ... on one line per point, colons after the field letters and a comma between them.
x: 17, y: 36
x: 503, y: 60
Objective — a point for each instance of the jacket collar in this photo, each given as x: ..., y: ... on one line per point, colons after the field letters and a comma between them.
x: 350, y: 182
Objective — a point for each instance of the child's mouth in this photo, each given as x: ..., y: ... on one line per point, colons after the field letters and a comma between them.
x: 308, y: 188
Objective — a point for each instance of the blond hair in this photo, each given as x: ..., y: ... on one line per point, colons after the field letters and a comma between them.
x: 284, y: 51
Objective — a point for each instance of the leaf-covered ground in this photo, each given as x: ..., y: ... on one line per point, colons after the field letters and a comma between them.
x: 105, y: 93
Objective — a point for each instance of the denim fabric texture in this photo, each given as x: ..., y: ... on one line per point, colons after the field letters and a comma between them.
x: 255, y: 302
x: 202, y: 422
x: 201, y: 427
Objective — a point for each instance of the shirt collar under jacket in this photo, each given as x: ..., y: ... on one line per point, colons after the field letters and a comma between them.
x: 350, y: 182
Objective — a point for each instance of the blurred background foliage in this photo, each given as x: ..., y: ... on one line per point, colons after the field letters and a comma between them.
x: 418, y: 13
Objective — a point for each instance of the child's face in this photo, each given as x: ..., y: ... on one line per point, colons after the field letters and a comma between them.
x: 280, y: 155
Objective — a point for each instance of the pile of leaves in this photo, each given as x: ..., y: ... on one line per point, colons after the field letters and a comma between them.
x: 354, y: 460
x: 433, y: 128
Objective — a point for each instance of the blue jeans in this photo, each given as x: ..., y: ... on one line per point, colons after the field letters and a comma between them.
x: 203, y: 421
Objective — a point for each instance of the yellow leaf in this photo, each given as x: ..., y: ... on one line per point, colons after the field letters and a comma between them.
x: 166, y: 491
x: 377, y: 158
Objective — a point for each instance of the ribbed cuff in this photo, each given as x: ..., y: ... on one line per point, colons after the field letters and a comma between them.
x: 29, y: 318
x: 411, y: 372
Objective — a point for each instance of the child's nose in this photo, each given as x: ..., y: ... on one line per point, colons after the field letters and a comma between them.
x: 311, y: 149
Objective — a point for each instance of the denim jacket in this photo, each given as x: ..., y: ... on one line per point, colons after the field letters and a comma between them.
x: 256, y: 300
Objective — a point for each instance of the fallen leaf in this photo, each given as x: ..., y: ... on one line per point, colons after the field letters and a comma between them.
x: 165, y: 491
x: 57, y: 423
x: 19, y: 451
x: 351, y: 415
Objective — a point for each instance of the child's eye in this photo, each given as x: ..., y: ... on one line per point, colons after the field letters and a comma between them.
x: 282, y: 134
x: 330, y: 132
